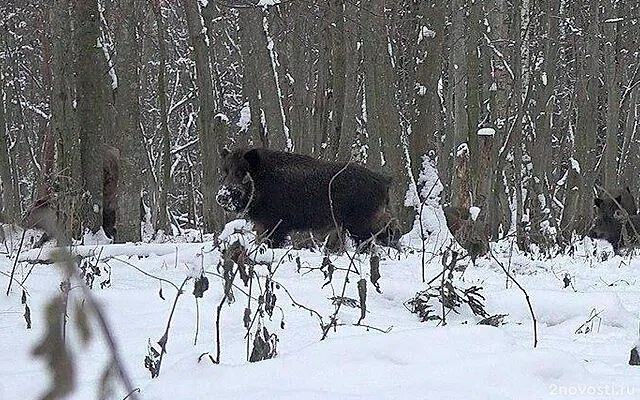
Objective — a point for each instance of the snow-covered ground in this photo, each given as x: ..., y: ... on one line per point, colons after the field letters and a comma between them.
x: 576, y: 357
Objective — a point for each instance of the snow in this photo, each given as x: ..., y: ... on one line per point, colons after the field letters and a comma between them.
x: 575, y: 165
x: 97, y: 238
x: 222, y: 117
x: 245, y: 117
x: 486, y: 132
x: 425, y: 33
x: 586, y: 330
x: 474, y: 212
x: 267, y: 3
x: 463, y: 149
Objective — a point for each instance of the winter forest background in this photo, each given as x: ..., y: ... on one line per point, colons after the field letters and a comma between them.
x: 526, y: 109
x: 170, y: 83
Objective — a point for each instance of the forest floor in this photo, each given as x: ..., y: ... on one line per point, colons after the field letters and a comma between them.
x: 585, y: 331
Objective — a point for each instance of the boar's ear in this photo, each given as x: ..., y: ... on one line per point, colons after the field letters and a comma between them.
x: 224, y: 152
x: 597, y: 202
x: 253, y: 158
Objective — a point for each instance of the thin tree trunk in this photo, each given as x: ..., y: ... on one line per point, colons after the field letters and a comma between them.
x: 63, y: 118
x: 129, y: 136
x: 165, y: 178
x: 210, y: 136
x: 458, y: 74
x: 90, y: 118
x: 261, y: 80
x: 353, y: 65
x: 521, y: 239
x: 383, y: 124
x: 612, y: 80
x: 428, y: 68
x: 9, y: 211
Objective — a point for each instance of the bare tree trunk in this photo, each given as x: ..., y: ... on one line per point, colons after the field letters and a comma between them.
x: 129, y: 136
x: 458, y: 76
x: 261, y: 79
x: 90, y: 117
x: 352, y: 67
x: 300, y: 65
x: 544, y: 109
x: 631, y: 160
x: 165, y: 178
x: 383, y: 124
x: 321, y: 100
x: 578, y: 203
x: 498, y: 213
x: 521, y: 239
x: 428, y: 68
x: 43, y: 184
x: 63, y: 118
x: 612, y: 81
x: 211, y: 139
x: 338, y: 40
x: 10, y: 211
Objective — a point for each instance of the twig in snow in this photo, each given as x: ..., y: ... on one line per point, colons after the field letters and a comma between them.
x: 526, y: 296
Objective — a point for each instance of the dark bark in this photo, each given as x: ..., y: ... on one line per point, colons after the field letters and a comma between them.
x: 10, y: 211
x: 210, y: 139
x: 90, y: 117
x: 383, y: 124
x: 164, y: 184
x: 129, y: 136
x: 428, y: 68
x: 261, y: 82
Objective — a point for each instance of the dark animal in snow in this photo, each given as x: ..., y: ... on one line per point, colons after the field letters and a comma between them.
x: 43, y: 217
x: 614, y: 202
x: 616, y: 219
x: 621, y: 233
x: 454, y: 216
x: 471, y: 235
x: 283, y: 192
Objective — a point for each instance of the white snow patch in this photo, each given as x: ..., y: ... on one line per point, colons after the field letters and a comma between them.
x: 94, y: 239
x: 463, y: 149
x: 575, y: 165
x: 425, y: 33
x: 421, y: 89
x: 222, y: 117
x: 267, y: 3
x: 486, y: 132
x: 245, y: 117
x: 474, y: 212
x: 459, y: 361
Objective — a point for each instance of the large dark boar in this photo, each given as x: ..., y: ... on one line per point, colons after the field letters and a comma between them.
x: 282, y: 192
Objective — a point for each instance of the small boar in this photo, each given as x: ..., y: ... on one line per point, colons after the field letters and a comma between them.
x: 471, y: 235
x: 454, y: 216
x: 614, y: 202
x: 621, y: 233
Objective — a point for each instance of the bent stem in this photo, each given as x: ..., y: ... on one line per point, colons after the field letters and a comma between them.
x: 526, y: 296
